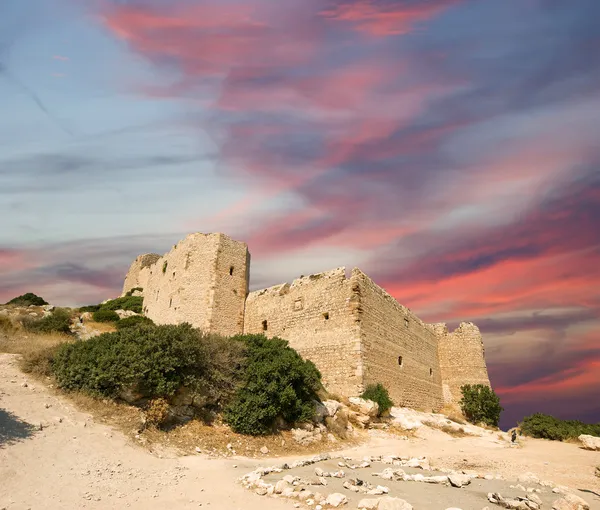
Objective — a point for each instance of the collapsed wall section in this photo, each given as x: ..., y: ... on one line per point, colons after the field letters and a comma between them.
x: 203, y: 280
x: 399, y: 350
x: 462, y: 359
x: 136, y: 276
x: 317, y: 316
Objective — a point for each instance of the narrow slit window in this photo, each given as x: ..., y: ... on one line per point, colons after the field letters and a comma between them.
x: 230, y: 270
x: 405, y: 322
x: 400, y: 361
x: 264, y: 325
x: 170, y: 302
x: 431, y: 372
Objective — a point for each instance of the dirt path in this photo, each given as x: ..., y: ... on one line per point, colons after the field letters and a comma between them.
x: 73, y: 462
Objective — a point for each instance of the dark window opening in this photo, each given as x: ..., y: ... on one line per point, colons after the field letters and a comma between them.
x: 231, y: 270
x: 264, y: 324
x: 431, y: 372
x: 173, y: 274
x: 170, y: 302
x: 326, y: 316
x: 406, y: 322
x: 400, y: 361
x: 235, y: 291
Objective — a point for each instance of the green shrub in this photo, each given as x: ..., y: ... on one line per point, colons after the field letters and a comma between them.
x: 59, y: 321
x: 130, y: 292
x: 480, y: 404
x: 133, y: 303
x: 154, y: 361
x: 164, y: 267
x: 378, y: 393
x: 277, y: 383
x: 135, y: 320
x: 105, y: 316
x: 28, y: 299
x: 544, y: 426
x: 89, y: 308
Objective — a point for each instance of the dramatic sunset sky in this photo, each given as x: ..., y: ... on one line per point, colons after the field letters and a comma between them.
x: 448, y: 148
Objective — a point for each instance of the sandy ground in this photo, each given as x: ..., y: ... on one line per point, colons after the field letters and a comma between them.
x: 73, y: 462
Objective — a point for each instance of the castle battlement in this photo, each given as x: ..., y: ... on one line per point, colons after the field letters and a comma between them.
x: 352, y: 329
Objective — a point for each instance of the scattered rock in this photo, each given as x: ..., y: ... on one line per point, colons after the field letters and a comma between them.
x: 570, y: 502
x: 366, y: 407
x: 336, y: 500
x: 264, y: 450
x: 590, y: 442
x: 389, y: 503
x: 368, y: 504
x: 457, y: 480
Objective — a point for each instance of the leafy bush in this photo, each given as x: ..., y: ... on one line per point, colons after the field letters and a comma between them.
x: 277, y: 383
x: 89, y: 308
x: 544, y: 426
x: 130, y: 292
x: 28, y: 299
x: 480, y: 404
x: 105, y: 316
x: 133, y: 303
x: 131, y: 322
x: 59, y: 321
x: 378, y: 393
x: 153, y: 361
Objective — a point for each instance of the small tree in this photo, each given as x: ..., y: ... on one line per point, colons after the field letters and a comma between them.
x: 378, y: 393
x: 480, y: 404
x: 278, y: 383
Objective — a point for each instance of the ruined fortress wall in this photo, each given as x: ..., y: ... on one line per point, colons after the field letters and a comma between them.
x: 462, y: 359
x: 136, y: 276
x: 192, y: 283
x: 399, y: 350
x: 317, y: 316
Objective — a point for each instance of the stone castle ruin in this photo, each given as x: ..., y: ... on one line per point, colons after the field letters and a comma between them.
x: 354, y: 331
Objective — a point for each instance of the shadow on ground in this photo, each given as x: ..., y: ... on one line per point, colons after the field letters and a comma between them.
x: 13, y: 429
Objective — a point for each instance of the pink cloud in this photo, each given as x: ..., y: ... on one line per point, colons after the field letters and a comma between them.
x: 60, y: 57
x: 379, y: 19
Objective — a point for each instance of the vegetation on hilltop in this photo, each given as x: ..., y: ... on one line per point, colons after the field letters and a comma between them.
x: 127, y: 302
x: 28, y: 299
x: 544, y: 426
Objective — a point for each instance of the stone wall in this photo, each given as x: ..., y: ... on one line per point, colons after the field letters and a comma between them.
x: 317, y: 316
x: 136, y: 277
x: 399, y: 350
x: 462, y: 359
x: 203, y: 280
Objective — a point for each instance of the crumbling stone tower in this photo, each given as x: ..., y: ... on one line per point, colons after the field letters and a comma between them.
x: 203, y: 280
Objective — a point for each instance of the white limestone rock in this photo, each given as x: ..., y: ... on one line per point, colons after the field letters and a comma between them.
x: 363, y: 406
x: 590, y: 442
x: 336, y: 500
x: 570, y: 502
